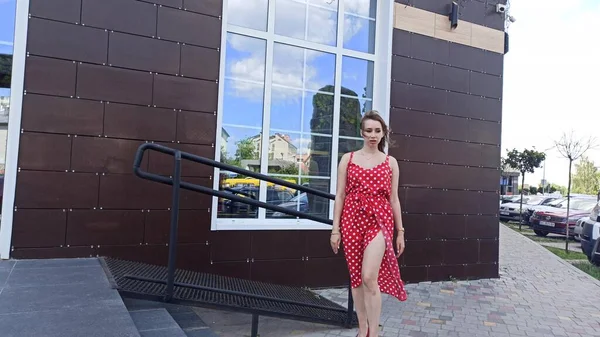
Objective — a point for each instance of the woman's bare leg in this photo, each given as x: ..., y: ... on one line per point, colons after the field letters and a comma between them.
x: 370, y: 271
x: 361, y: 310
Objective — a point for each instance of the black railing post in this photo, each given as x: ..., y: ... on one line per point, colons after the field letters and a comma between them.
x: 174, y: 225
x: 350, y: 311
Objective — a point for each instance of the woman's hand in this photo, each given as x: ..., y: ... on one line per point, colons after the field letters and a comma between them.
x: 399, y: 244
x: 334, y: 241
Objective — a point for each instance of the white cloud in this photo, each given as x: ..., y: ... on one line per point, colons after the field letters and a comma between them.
x: 550, y: 79
x: 289, y: 65
x: 6, y: 43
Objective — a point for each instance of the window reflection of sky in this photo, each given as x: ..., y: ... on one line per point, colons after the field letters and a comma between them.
x: 297, y: 74
x: 7, y: 31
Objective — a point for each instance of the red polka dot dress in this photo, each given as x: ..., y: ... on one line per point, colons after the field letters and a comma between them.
x: 367, y: 210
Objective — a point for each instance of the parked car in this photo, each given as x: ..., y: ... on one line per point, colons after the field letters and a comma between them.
x: 590, y: 236
x: 579, y: 227
x: 555, y: 220
x: 275, y: 196
x: 299, y: 202
x: 510, y: 211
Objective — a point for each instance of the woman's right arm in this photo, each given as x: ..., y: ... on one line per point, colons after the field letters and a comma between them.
x: 340, y: 193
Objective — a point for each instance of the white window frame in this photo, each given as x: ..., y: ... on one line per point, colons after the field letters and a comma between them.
x: 382, y: 58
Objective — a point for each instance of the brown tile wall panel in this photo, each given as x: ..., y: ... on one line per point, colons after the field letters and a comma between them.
x: 153, y: 254
x: 196, y: 127
x: 34, y: 228
x: 418, y: 98
x: 444, y: 152
x: 66, y: 41
x: 195, y: 257
x: 62, y: 115
x: 419, y: 200
x: 485, y: 132
x: 143, y: 53
x: 200, y: 62
x: 488, y: 250
x: 450, y: 78
x: 139, y: 122
x: 461, y: 251
x: 127, y: 16
x: 413, y: 274
x: 223, y: 241
x: 486, y: 85
x: 447, y: 176
x: 494, y: 63
x: 60, y: 10
x: 171, y: 3
x: 163, y: 164
x: 445, y: 273
x: 467, y: 57
x: 267, y: 245
x: 424, y: 253
x: 193, y: 227
x: 426, y: 124
x: 50, y: 76
x: 209, y: 7
x: 55, y: 190
x: 100, y: 227
x: 482, y: 226
x: 184, y: 93
x: 195, y: 200
x: 232, y: 269
x: 53, y: 253
x: 484, y: 270
x: 429, y: 49
x: 459, y: 104
x: 46, y: 152
x: 416, y: 225
x: 104, y: 155
x: 131, y: 192
x: 314, y: 250
x: 411, y: 70
x: 288, y: 272
x: 182, y: 26
x: 447, y: 227
x: 106, y: 83
x: 480, y: 12
x: 327, y: 272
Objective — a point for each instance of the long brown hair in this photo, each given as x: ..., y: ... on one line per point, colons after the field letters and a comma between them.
x: 375, y: 116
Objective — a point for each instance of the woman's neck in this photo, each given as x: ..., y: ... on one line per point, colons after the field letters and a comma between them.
x: 370, y: 150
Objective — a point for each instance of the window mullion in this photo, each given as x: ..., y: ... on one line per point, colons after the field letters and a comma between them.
x: 264, y: 150
x: 336, y: 103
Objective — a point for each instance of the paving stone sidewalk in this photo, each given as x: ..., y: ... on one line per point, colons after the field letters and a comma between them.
x: 537, y: 295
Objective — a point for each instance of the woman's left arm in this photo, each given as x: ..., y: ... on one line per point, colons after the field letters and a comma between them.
x: 396, y: 208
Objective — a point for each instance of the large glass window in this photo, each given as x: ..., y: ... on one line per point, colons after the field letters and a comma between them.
x: 297, y: 77
x: 7, y: 31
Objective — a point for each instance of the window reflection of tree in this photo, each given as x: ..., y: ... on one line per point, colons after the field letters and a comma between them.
x: 320, y: 149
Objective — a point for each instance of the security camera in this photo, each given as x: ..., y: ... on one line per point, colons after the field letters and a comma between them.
x: 511, y: 18
x: 501, y: 8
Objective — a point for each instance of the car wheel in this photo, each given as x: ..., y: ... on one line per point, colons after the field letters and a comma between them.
x: 539, y: 232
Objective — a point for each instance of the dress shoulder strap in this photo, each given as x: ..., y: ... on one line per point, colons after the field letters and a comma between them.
x: 351, y: 156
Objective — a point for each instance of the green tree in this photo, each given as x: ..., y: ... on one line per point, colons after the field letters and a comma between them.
x: 585, y: 178
x: 5, y: 70
x: 572, y: 149
x: 525, y: 161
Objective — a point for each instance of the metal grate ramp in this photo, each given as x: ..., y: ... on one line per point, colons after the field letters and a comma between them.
x: 140, y: 280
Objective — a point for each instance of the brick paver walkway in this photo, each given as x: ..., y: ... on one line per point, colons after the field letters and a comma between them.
x: 537, y: 294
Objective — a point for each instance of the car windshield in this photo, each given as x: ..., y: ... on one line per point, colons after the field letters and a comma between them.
x: 583, y: 204
x: 555, y: 203
x: 536, y: 200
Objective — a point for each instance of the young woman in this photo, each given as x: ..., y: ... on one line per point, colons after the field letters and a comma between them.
x: 366, y: 209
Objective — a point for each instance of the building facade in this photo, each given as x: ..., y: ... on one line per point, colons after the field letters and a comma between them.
x: 211, y: 77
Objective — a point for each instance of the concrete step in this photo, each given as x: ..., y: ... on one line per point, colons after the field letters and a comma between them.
x: 180, y: 317
x: 156, y: 323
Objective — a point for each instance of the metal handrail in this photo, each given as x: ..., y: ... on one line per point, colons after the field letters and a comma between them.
x: 175, y: 181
